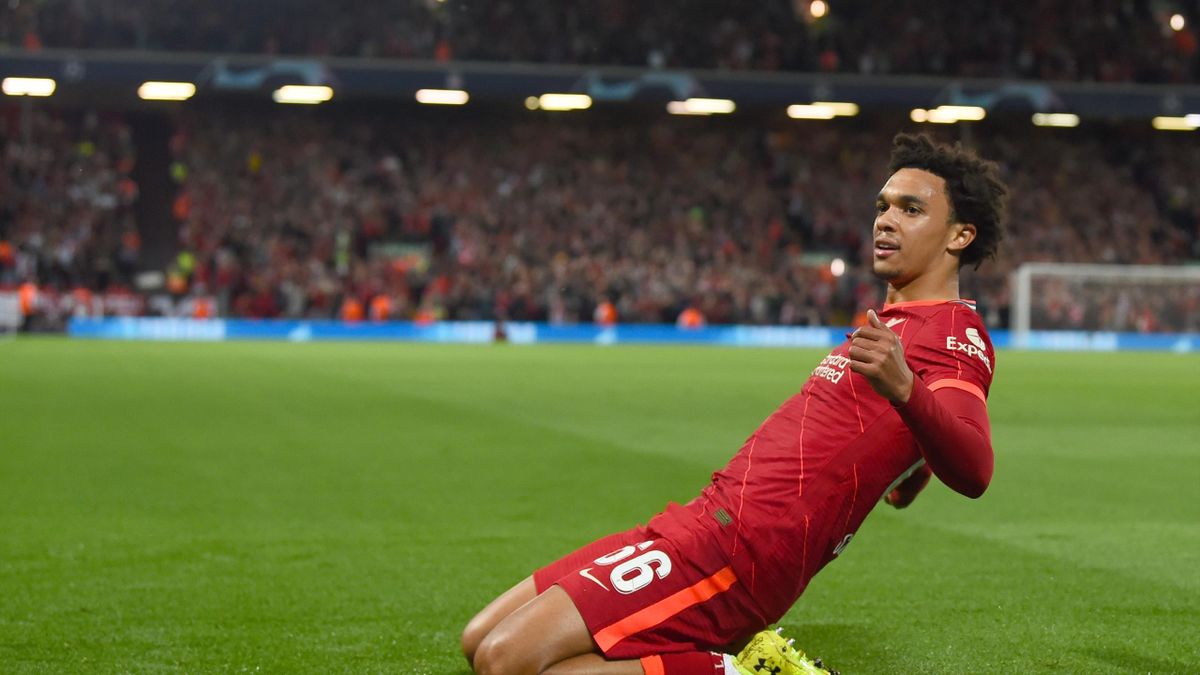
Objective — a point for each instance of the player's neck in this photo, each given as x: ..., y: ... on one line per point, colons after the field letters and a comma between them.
x: 923, y: 289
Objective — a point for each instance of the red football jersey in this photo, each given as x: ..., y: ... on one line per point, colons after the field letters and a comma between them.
x: 793, y: 496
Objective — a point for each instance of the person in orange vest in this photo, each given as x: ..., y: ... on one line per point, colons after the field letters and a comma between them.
x: 426, y: 315
x: 381, y: 307
x: 605, y: 314
x: 352, y: 309
x: 7, y: 256
x: 28, y: 295
x: 690, y: 318
x: 203, y: 307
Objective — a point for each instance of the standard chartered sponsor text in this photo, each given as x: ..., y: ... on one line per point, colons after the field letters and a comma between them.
x: 832, y: 368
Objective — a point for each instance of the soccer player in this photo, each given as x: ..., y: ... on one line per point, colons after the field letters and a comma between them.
x: 903, y: 398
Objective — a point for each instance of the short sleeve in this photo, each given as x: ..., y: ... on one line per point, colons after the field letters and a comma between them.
x: 953, y: 349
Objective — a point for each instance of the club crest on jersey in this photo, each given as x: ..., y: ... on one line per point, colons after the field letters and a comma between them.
x: 973, y: 336
x: 974, y: 347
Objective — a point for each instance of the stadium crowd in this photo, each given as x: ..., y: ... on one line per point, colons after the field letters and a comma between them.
x: 67, y: 222
x: 558, y: 219
x: 1106, y: 40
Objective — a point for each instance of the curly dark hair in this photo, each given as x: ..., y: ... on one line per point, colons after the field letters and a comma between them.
x: 974, y: 188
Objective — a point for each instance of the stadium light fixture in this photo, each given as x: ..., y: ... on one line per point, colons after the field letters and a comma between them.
x: 966, y: 113
x: 840, y: 108
x: 702, y: 106
x: 939, y: 116
x: 932, y: 116
x: 822, y: 110
x: 1177, y: 22
x: 818, y: 8
x: 442, y: 96
x: 1065, y: 120
x: 166, y: 91
x: 28, y: 86
x: 681, y: 108
x: 302, y: 94
x: 948, y: 114
x: 1187, y: 123
x: 810, y: 112
x: 562, y: 102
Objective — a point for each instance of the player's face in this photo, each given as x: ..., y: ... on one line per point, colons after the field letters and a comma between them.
x: 913, y: 231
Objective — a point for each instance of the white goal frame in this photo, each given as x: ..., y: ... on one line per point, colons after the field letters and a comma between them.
x: 10, y: 313
x: 1022, y: 283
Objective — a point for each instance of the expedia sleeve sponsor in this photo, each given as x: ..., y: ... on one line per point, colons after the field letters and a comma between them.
x: 973, y: 348
x: 953, y: 344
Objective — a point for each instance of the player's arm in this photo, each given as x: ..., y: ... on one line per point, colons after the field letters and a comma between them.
x: 950, y: 427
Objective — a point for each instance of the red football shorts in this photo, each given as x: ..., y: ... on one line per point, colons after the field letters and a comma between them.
x: 641, y: 594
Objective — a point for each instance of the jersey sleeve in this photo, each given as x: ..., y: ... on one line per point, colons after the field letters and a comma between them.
x: 952, y: 353
x: 952, y: 430
x: 953, y: 349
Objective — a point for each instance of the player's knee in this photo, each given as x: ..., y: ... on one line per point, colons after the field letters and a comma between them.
x: 497, y: 655
x: 472, y: 636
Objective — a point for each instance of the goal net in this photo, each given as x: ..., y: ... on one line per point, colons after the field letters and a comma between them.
x: 1109, y: 298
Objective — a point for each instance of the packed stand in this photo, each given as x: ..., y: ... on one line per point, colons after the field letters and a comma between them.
x: 1108, y: 40
x: 69, y: 241
x: 571, y: 220
x: 300, y: 216
x: 562, y: 219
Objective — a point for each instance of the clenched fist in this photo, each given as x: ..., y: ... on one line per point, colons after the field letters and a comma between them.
x: 876, y: 354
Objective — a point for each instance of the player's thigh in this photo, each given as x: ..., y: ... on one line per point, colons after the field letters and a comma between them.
x: 512, y: 599
x: 543, y: 578
x: 496, y: 611
x: 542, y: 632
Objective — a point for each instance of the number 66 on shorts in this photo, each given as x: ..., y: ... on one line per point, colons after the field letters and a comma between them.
x: 632, y: 575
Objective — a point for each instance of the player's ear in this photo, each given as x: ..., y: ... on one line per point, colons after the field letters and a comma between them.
x: 961, y: 236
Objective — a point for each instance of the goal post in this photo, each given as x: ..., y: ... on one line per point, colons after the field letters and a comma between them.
x: 10, y: 313
x: 1107, y: 298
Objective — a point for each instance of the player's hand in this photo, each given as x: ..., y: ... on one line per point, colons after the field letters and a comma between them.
x: 908, y: 489
x: 876, y: 354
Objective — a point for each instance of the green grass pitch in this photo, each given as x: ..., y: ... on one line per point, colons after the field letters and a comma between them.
x: 347, y: 507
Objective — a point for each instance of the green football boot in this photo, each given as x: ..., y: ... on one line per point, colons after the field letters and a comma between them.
x: 769, y: 653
